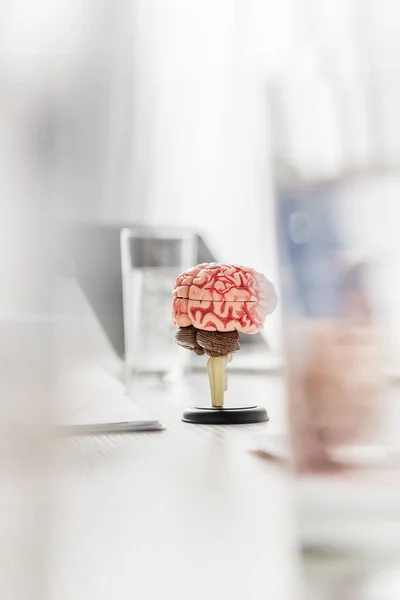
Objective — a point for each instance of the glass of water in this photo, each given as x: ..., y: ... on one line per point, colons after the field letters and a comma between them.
x: 151, y: 261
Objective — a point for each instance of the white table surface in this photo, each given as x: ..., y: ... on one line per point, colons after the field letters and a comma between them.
x: 184, y: 513
x: 187, y: 512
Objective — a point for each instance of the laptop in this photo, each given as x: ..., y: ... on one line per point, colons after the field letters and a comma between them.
x: 94, y: 249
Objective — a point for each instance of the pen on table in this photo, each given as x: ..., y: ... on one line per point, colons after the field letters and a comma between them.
x: 110, y: 428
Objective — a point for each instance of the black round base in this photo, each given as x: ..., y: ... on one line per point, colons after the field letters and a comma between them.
x: 225, y: 416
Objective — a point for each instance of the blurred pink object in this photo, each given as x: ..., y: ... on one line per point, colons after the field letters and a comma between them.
x: 216, y: 297
x: 334, y: 385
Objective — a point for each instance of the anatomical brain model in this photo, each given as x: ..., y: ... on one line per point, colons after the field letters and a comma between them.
x: 211, y: 304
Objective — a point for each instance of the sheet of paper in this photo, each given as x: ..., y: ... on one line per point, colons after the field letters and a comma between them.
x: 92, y: 396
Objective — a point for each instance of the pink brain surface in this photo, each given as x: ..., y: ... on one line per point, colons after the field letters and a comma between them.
x: 216, y: 297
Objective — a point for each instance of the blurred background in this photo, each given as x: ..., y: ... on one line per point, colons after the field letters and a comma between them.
x: 176, y: 117
x: 181, y: 114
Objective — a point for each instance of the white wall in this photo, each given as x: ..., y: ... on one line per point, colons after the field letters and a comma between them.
x: 200, y: 112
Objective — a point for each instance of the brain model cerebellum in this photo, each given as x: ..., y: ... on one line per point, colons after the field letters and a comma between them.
x: 212, y: 302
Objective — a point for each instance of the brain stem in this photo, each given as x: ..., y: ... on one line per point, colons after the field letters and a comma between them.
x: 216, y: 368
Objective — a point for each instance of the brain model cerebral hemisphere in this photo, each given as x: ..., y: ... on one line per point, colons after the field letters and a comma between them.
x: 223, y: 298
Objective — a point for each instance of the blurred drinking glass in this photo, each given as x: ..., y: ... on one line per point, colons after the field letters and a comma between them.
x: 151, y: 261
x: 332, y: 343
x: 347, y: 475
